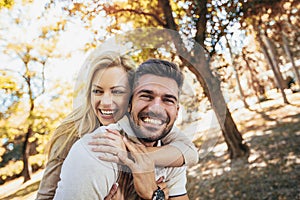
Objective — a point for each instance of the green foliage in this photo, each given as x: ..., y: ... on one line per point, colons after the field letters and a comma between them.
x: 10, y: 92
x: 28, y: 105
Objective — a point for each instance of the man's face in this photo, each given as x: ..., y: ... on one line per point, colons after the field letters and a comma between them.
x: 154, y: 107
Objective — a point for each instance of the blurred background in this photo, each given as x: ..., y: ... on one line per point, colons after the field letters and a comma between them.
x: 244, y: 105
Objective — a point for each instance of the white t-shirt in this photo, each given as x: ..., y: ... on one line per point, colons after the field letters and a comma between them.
x: 84, y: 176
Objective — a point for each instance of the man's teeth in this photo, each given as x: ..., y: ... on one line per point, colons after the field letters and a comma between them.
x: 153, y: 121
x: 104, y: 112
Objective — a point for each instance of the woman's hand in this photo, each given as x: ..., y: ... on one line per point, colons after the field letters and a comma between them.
x: 109, y: 143
x: 113, y: 193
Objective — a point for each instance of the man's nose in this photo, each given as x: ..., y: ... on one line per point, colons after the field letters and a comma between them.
x: 156, y: 105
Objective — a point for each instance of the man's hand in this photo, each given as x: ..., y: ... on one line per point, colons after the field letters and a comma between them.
x: 163, y: 186
x: 142, y: 168
x: 114, y: 193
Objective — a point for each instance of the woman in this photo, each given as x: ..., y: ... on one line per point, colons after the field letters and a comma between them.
x: 103, y: 81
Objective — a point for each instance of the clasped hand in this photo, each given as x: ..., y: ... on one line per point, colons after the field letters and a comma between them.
x: 117, y: 148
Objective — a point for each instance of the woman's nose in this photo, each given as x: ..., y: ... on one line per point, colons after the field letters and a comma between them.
x: 106, y: 99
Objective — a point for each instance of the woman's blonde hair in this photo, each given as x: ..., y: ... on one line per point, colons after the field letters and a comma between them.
x: 82, y: 119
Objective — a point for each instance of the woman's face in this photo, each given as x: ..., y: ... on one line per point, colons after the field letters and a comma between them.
x: 110, y: 94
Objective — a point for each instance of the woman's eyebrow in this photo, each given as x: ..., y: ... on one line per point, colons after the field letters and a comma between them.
x: 96, y: 86
x: 116, y: 86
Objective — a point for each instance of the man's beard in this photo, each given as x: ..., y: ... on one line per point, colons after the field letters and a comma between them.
x: 141, y: 135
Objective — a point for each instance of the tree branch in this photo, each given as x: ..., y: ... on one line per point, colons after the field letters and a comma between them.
x: 111, y: 10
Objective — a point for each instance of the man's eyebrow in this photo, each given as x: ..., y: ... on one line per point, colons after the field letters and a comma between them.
x: 145, y: 91
x: 151, y: 92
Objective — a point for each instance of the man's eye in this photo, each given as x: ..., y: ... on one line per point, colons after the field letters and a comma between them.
x: 146, y: 97
x: 169, y: 101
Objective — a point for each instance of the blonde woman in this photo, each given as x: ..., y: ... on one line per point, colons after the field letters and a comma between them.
x: 106, y: 97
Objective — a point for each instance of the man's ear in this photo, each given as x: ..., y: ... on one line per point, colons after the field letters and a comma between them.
x: 129, y: 107
x: 177, y: 111
x: 130, y: 104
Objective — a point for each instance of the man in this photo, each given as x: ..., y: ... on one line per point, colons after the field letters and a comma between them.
x: 153, y: 111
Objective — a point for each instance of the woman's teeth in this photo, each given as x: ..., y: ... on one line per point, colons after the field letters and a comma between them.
x: 106, y: 112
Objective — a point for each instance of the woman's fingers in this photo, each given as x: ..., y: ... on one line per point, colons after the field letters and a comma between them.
x: 102, y: 142
x: 112, y: 192
x: 135, y: 149
x: 109, y: 138
x: 110, y: 158
x: 160, y: 180
x: 124, y: 158
x: 106, y: 149
x: 110, y: 132
x: 115, y: 132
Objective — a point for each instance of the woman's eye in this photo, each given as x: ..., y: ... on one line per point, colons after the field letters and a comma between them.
x: 96, y: 91
x: 118, y: 92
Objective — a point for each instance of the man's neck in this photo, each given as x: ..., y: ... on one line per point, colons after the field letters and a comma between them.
x: 148, y: 144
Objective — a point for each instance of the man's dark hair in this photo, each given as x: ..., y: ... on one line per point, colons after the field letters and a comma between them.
x: 161, y: 68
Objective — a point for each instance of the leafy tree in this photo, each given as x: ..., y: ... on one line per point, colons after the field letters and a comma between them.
x: 30, y: 54
x: 199, y: 20
x: 267, y: 19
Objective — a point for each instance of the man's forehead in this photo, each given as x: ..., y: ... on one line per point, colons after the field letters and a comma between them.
x: 157, y: 84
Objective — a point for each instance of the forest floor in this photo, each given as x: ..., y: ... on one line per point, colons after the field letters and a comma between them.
x: 272, y: 170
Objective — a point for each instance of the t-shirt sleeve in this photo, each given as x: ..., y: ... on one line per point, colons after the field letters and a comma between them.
x: 176, y: 181
x: 178, y: 139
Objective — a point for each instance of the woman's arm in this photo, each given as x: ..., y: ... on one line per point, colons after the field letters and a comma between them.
x: 50, y: 177
x: 178, y: 149
x: 52, y: 170
x: 177, y: 139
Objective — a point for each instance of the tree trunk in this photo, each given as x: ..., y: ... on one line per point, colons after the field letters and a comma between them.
x: 271, y: 63
x: 211, y: 86
x: 257, y: 87
x: 197, y: 63
x: 236, y: 74
x: 26, y: 147
x: 289, y: 54
x: 25, y: 153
